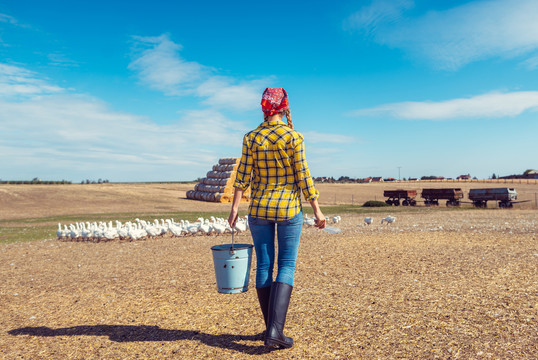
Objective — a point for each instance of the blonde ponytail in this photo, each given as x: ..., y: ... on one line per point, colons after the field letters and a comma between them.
x: 288, y: 117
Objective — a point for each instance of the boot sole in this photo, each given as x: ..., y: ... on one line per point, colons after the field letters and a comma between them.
x: 278, y: 344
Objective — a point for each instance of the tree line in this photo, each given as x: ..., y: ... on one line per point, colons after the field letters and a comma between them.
x: 35, y: 182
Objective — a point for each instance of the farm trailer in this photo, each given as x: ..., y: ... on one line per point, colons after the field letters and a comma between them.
x: 505, y: 196
x: 432, y: 196
x: 395, y: 196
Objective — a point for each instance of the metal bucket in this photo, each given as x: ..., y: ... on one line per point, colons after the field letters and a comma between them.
x: 232, y: 267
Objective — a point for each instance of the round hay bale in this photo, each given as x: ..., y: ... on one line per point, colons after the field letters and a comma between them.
x: 228, y: 161
x: 213, y: 174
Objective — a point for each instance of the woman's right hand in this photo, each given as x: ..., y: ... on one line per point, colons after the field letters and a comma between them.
x: 320, y: 220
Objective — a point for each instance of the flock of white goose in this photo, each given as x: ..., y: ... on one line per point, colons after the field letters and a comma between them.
x: 141, y: 229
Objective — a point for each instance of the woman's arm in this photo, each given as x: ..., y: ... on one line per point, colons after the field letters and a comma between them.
x: 242, y: 179
x: 238, y: 194
x: 320, y: 218
x: 302, y: 174
x: 305, y: 182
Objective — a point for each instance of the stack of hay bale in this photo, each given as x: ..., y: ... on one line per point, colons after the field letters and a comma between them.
x: 217, y: 186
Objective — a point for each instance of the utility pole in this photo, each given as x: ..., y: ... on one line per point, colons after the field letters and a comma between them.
x: 399, y: 167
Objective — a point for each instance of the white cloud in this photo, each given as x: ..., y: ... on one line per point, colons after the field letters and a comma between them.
x: 220, y: 92
x: 378, y: 13
x: 210, y: 127
x: 452, y: 38
x: 531, y: 63
x: 59, y: 59
x: 8, y: 19
x: 16, y: 82
x: 492, y: 105
x: 160, y: 66
x: 81, y: 137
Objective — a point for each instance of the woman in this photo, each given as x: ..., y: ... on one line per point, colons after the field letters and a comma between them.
x: 273, y: 163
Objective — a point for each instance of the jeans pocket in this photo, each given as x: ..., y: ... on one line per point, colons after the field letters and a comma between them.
x: 296, y: 220
x: 253, y: 221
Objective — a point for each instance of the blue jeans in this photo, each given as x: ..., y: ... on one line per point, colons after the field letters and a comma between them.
x: 263, y: 236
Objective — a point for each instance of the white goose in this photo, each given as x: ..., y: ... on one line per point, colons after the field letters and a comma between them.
x: 152, y: 230
x: 206, y: 227
x: 176, y: 230
x: 62, y: 233
x: 85, y: 233
x: 110, y: 232
x: 240, y: 225
x: 193, y: 228
x: 136, y: 231
x: 389, y: 219
x: 219, y: 228
x: 309, y: 221
x: 123, y: 231
x: 75, y: 231
x: 164, y: 227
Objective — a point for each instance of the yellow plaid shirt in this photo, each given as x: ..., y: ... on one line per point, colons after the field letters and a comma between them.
x: 273, y: 163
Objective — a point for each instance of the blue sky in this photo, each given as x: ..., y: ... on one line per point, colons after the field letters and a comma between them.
x: 160, y: 90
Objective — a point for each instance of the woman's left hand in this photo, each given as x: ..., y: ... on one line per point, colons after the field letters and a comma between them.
x: 232, y: 218
x: 238, y: 194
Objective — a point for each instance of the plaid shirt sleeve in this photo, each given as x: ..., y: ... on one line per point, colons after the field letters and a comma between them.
x: 244, y: 170
x: 302, y: 173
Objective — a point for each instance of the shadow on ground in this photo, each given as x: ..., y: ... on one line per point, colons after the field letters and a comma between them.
x: 128, y: 333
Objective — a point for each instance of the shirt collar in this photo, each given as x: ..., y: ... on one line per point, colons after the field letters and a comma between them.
x: 272, y: 123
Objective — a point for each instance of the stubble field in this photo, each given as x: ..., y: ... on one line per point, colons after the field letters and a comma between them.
x: 437, y: 283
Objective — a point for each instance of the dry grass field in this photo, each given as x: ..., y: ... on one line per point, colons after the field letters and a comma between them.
x: 437, y: 284
x: 31, y: 201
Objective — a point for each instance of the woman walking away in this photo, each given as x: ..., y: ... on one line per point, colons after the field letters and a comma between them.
x: 273, y: 163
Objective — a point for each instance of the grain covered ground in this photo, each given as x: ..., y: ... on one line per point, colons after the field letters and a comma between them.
x: 447, y: 284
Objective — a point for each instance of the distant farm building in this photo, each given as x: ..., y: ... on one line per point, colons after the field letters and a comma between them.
x: 529, y: 174
x: 533, y: 174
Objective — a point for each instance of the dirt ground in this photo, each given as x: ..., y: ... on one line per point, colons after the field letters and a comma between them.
x: 29, y: 201
x: 435, y: 284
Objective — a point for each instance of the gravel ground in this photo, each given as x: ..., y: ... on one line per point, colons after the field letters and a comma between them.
x: 434, y: 284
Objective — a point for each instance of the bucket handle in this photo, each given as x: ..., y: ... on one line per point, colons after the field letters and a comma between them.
x: 232, y: 251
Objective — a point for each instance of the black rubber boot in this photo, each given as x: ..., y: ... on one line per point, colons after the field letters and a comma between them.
x: 263, y: 297
x: 278, y: 308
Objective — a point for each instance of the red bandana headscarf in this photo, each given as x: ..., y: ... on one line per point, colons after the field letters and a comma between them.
x: 274, y: 100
